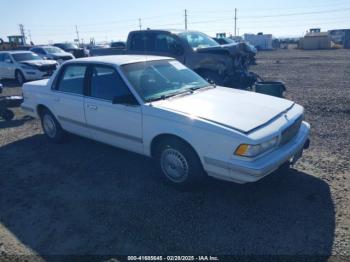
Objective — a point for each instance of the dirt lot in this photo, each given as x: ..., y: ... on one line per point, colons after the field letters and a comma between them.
x: 84, y: 197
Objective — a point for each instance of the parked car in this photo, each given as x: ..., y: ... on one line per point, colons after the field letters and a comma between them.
x: 118, y: 44
x: 229, y: 41
x: 225, y: 65
x: 73, y: 49
x: 52, y: 53
x: 25, y: 65
x: 158, y: 107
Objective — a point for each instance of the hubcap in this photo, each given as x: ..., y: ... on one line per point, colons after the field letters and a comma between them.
x: 49, y: 126
x: 174, y: 165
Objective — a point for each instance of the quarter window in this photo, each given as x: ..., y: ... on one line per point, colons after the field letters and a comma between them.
x: 107, y: 84
x: 72, y: 79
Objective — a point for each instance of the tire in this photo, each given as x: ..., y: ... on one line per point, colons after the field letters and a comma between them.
x: 212, y: 77
x: 20, y: 79
x: 51, y: 127
x: 8, y: 115
x: 178, y: 164
x: 284, y: 168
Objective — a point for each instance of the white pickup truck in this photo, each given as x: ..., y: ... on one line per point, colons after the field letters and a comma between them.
x: 157, y: 107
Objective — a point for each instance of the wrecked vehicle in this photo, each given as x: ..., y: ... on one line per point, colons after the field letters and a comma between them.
x: 225, y: 65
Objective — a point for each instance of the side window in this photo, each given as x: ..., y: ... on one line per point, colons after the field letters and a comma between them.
x: 107, y: 84
x: 72, y: 79
x: 164, y: 43
x: 39, y: 51
x: 1, y: 57
x: 7, y: 57
x: 142, y: 42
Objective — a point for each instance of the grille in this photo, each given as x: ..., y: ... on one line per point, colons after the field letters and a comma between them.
x: 66, y: 58
x: 290, y: 132
x: 47, y: 68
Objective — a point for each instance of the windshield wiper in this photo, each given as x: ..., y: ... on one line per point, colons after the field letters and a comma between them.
x: 164, y: 97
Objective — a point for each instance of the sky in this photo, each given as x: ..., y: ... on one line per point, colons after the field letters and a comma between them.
x: 48, y: 21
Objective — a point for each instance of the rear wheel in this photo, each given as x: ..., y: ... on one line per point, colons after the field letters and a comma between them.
x: 51, y: 127
x: 19, y: 77
x: 178, y: 163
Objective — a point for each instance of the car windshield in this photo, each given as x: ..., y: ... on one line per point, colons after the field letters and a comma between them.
x: 198, y: 40
x: 162, y: 79
x: 19, y: 57
x: 53, y: 50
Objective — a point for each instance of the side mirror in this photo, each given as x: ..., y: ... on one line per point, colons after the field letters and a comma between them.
x: 9, y: 61
x: 125, y: 100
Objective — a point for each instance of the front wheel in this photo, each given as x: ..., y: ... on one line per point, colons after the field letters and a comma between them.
x: 51, y: 127
x: 212, y: 77
x: 19, y: 77
x: 8, y: 115
x: 178, y: 163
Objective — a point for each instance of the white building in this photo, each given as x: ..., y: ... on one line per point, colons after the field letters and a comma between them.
x: 260, y: 41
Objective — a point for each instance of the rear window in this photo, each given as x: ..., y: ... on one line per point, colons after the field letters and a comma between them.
x: 142, y: 42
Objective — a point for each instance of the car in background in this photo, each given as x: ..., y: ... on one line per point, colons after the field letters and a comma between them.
x: 158, y: 107
x: 25, y: 66
x: 52, y: 53
x: 119, y: 45
x: 73, y: 49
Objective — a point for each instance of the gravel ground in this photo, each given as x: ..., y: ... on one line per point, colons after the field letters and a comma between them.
x: 83, y: 197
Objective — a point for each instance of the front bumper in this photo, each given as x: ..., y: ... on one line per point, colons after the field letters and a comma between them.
x: 36, y: 74
x: 241, y: 171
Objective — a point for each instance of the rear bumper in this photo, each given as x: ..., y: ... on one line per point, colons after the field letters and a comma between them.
x: 241, y: 171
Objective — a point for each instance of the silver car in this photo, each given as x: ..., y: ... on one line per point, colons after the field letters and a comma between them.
x: 25, y: 66
x: 52, y: 53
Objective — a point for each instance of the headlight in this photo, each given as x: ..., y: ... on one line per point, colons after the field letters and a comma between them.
x: 254, y: 150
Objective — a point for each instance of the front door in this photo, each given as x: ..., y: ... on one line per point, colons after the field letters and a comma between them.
x: 111, y: 122
x: 68, y: 99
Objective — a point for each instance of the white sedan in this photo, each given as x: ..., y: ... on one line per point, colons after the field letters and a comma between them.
x: 157, y: 107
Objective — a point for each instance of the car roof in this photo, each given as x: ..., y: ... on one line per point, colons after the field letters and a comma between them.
x: 119, y: 59
x: 173, y: 31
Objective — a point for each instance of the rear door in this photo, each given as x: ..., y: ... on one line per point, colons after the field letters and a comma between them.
x: 68, y: 98
x: 112, y: 123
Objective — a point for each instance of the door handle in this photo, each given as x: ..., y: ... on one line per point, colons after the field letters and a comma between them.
x: 56, y: 99
x: 92, y: 107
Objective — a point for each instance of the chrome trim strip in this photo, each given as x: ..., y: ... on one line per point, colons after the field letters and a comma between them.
x: 106, y: 131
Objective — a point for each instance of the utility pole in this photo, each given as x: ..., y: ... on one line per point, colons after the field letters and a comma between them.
x: 235, y: 21
x: 30, y: 37
x: 76, y: 30
x: 23, y: 34
x: 140, y: 24
x: 186, y: 19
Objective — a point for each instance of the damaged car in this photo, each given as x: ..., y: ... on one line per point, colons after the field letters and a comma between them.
x: 25, y: 66
x: 225, y: 65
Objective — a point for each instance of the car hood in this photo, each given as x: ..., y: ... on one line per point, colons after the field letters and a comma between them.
x: 232, y: 49
x: 236, y: 109
x: 39, y: 62
x: 58, y: 55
